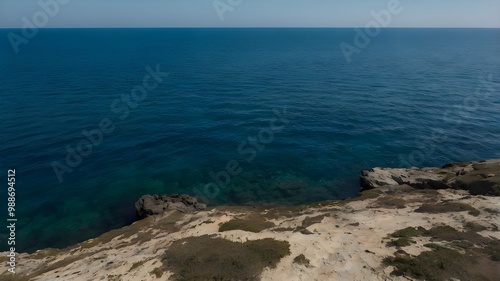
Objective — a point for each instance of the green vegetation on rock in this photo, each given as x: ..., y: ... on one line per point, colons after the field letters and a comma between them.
x: 302, y: 260
x: 251, y: 225
x: 439, y: 264
x: 446, y: 207
x: 409, y: 232
x: 461, y: 255
x: 206, y: 258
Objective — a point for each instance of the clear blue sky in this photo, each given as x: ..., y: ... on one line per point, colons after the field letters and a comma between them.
x: 254, y: 13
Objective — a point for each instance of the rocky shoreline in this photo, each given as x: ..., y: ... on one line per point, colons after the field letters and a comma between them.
x: 478, y: 177
x: 406, y: 224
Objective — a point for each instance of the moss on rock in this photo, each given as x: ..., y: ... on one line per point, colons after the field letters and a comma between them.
x: 251, y: 225
x: 206, y: 258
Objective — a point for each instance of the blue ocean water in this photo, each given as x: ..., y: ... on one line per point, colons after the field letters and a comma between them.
x: 411, y: 97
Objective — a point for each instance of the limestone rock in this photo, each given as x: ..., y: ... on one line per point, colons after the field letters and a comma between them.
x: 425, y: 178
x: 479, y: 177
x: 149, y: 205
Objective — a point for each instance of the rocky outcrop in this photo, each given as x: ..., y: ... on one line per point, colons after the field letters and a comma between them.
x: 149, y: 205
x: 479, y: 177
x: 395, y: 232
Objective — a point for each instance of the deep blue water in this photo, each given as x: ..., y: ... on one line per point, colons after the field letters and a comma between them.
x: 410, y: 94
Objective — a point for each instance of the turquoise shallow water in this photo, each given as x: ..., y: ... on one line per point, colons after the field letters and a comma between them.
x: 408, y: 99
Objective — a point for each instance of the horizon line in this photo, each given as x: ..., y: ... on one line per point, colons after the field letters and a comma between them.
x: 254, y: 27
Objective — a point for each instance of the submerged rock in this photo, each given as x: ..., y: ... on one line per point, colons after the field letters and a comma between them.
x: 479, y: 177
x: 149, y: 205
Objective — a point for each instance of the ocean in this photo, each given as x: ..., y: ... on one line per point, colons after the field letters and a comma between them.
x: 91, y: 119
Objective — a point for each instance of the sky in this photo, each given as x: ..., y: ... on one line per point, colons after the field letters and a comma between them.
x: 247, y: 13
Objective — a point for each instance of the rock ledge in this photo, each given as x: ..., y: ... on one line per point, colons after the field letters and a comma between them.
x: 478, y: 177
x: 149, y: 205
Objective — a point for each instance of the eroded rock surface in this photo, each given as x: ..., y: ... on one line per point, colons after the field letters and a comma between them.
x: 479, y: 177
x: 149, y: 205
x: 397, y: 234
x: 393, y: 232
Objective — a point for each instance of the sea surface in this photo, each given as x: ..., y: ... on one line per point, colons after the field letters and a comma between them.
x: 279, y: 116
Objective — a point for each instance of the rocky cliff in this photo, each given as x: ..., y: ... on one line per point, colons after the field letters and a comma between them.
x: 407, y: 224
